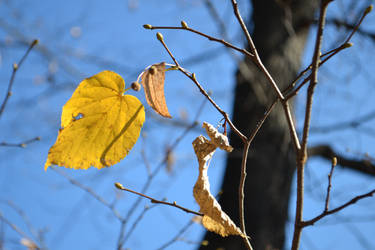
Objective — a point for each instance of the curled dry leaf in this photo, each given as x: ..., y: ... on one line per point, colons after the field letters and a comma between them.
x: 153, y: 84
x: 218, y: 139
x: 214, y: 219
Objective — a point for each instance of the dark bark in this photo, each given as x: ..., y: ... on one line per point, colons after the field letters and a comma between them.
x: 280, y: 41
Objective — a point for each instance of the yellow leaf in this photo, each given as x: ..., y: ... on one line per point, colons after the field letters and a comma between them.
x: 153, y: 84
x: 214, y: 219
x: 99, y: 124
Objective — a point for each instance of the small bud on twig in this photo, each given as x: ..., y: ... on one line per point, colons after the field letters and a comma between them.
x: 15, y: 66
x: 119, y: 185
x: 184, y: 25
x: 35, y: 42
x: 159, y: 36
x: 193, y: 76
x: 368, y: 9
x: 347, y: 45
x: 334, y: 161
x: 147, y: 26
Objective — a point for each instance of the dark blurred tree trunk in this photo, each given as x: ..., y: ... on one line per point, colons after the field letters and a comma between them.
x: 280, y: 33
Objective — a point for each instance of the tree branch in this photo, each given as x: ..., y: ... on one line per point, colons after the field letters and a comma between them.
x: 302, y: 153
x: 16, y: 66
x: 172, y: 204
x: 337, y: 209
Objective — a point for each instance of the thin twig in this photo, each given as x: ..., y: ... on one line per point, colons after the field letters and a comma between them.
x: 21, y: 144
x: 153, y: 200
x: 205, y: 94
x: 89, y: 191
x: 241, y: 194
x: 175, y: 238
x: 19, y: 231
x: 302, y: 153
x: 337, y: 209
x: 211, y: 38
x: 27, y: 222
x: 329, y: 186
x: 256, y: 57
x: 136, y: 222
x: 154, y: 173
x: 325, y: 57
x: 16, y: 66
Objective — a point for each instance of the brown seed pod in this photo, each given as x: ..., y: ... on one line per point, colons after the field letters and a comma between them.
x: 135, y: 86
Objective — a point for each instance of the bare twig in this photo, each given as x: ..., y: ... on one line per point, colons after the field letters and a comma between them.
x: 89, y: 191
x: 337, y: 209
x: 175, y: 238
x: 354, y: 123
x: 21, y: 144
x: 302, y: 153
x: 27, y: 222
x: 16, y: 66
x: 241, y: 194
x: 19, y: 231
x: 329, y: 186
x: 211, y: 38
x: 153, y: 200
x: 136, y: 221
x: 326, y: 56
x: 154, y: 173
x: 256, y: 59
x: 204, y: 92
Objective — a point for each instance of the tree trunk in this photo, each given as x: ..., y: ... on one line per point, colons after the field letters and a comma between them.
x: 280, y: 32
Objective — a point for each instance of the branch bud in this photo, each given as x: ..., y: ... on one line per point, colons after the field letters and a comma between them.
x: 119, y: 186
x: 135, y: 86
x: 193, y: 76
x: 184, y: 25
x: 159, y: 36
x: 369, y: 9
x: 347, y: 45
x: 15, y: 66
x: 334, y: 161
x: 147, y: 26
x: 35, y: 42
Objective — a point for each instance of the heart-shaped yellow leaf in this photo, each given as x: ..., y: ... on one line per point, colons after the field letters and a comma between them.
x: 99, y: 124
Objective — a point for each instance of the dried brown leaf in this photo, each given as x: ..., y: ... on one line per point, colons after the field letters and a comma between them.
x: 214, y: 219
x: 153, y: 84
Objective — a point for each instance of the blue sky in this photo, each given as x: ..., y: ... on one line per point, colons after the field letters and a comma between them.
x: 112, y: 32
